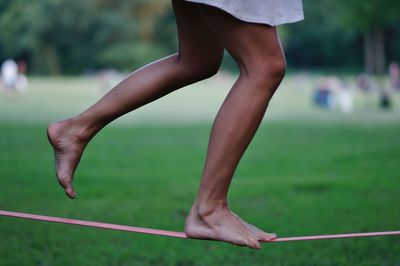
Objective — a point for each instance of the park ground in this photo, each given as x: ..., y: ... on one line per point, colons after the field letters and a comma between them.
x: 307, y: 172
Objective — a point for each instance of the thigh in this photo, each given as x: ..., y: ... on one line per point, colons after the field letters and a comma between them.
x: 251, y: 44
x: 197, y: 42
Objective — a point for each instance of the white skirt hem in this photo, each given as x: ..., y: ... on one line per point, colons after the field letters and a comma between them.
x: 274, y: 17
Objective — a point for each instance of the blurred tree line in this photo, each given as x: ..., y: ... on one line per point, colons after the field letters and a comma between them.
x: 71, y: 36
x: 346, y: 34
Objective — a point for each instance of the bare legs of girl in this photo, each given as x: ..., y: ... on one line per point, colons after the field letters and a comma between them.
x: 203, y: 34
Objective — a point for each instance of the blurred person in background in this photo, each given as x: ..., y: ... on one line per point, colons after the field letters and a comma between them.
x: 247, y: 30
x: 22, y: 80
x: 13, y: 75
x: 332, y: 93
x: 364, y: 83
x: 344, y: 98
x: 324, y: 92
x: 9, y: 74
x: 366, y: 86
x: 394, y: 75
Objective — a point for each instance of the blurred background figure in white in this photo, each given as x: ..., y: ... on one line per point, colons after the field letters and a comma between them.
x: 344, y: 98
x: 332, y: 93
x: 9, y: 74
x: 13, y: 75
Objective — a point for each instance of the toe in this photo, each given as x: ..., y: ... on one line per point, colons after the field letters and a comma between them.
x: 253, y: 243
x: 268, y: 237
x: 69, y: 190
x: 66, y: 183
x: 242, y: 241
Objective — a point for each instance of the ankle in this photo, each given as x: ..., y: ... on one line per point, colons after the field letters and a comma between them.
x: 78, y: 129
x: 87, y: 127
x: 204, y: 209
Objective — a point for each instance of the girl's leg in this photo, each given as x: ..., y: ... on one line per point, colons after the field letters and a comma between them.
x: 199, y: 57
x: 257, y: 51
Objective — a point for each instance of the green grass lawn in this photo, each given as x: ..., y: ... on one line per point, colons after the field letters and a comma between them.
x: 306, y: 173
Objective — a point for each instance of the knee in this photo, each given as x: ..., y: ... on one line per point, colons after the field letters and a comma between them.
x: 277, y: 68
x: 268, y: 71
x: 263, y: 73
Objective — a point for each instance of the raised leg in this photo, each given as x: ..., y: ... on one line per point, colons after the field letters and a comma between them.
x: 199, y: 57
x: 257, y: 50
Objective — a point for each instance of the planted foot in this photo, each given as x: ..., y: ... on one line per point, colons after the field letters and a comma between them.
x: 223, y: 225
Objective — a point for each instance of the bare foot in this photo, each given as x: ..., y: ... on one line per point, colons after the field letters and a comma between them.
x: 261, y: 235
x: 222, y: 224
x: 68, y: 144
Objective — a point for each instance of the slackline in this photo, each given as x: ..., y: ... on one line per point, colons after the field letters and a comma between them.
x: 150, y: 231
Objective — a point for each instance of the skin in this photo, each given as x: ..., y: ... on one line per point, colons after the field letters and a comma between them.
x: 204, y: 32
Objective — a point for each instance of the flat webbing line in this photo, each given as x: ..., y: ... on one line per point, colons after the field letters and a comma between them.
x: 173, y: 233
